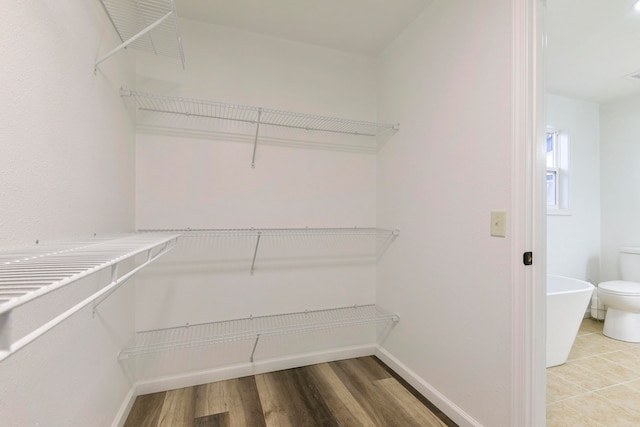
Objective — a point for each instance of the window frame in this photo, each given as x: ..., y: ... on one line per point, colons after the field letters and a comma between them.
x: 560, y: 169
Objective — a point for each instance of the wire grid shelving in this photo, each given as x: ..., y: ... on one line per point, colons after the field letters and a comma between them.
x: 146, y: 25
x: 256, y: 115
x: 302, y: 231
x: 211, y: 111
x: 383, y: 237
x: 253, y: 328
x: 32, y: 272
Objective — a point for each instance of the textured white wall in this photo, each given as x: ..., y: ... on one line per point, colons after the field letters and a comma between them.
x: 447, y: 80
x: 573, y: 240
x: 620, y: 180
x: 301, y: 179
x: 67, y: 170
x: 66, y: 151
x: 193, y: 182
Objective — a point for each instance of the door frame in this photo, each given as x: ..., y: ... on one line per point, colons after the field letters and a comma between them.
x: 529, y: 217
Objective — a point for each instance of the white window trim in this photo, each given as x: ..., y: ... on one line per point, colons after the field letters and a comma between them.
x: 562, y: 173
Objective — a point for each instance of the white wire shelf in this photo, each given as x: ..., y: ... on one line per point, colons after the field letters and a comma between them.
x: 253, y: 328
x: 382, y: 237
x: 200, y: 108
x: 30, y: 273
x: 146, y: 25
x: 263, y: 116
x: 303, y: 231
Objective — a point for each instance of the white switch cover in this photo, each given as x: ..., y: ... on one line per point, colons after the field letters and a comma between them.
x: 499, y: 223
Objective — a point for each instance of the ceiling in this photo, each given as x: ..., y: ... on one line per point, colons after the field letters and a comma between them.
x: 358, y: 26
x: 591, y: 46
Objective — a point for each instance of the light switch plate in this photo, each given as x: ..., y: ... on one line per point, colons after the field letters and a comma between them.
x: 499, y: 223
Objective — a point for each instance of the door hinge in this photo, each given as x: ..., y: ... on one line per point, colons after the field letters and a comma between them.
x: 527, y: 258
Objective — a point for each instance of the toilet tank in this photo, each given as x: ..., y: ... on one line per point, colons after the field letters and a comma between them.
x: 630, y: 263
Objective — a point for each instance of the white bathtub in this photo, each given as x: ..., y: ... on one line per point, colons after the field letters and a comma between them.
x: 567, y: 301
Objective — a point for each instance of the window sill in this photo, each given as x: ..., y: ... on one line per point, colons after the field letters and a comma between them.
x: 559, y: 212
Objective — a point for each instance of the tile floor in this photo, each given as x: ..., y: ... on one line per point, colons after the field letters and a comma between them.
x: 599, y: 385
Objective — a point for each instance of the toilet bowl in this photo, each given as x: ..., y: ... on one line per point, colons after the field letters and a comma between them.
x: 621, y: 298
x: 622, y: 301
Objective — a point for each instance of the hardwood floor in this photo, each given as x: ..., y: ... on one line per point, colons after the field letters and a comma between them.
x: 347, y: 393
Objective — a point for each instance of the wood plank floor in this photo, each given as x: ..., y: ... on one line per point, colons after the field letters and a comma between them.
x: 348, y: 393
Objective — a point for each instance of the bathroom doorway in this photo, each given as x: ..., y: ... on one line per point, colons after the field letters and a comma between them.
x: 592, y: 102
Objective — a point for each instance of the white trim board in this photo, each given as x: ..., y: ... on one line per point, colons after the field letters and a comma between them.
x: 528, y: 406
x: 452, y: 410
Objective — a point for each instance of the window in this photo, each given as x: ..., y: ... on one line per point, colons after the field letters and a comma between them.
x: 552, y: 169
x: 557, y: 170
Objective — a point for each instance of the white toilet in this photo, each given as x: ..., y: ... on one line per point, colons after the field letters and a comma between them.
x: 621, y: 298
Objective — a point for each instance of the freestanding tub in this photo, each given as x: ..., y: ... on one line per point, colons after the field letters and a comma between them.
x: 567, y: 301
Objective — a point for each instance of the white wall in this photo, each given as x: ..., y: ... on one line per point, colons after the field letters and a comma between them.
x: 244, y: 68
x: 447, y: 80
x: 603, y: 182
x: 67, y: 156
x: 620, y: 180
x: 67, y: 170
x: 205, y: 180
x: 202, y: 178
x: 573, y: 235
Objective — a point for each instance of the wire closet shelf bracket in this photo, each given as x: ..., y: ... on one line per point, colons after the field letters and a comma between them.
x: 191, y: 107
x: 146, y: 25
x: 34, y: 272
x: 253, y: 328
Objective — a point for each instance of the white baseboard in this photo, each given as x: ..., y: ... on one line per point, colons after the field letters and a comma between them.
x: 125, y: 408
x: 191, y: 379
x: 452, y: 410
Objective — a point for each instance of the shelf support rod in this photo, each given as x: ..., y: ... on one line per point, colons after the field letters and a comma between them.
x: 255, y: 140
x: 114, y: 277
x: 166, y: 247
x: 131, y: 40
x: 173, y: 7
x: 255, y: 344
x: 255, y: 252
x: 5, y: 329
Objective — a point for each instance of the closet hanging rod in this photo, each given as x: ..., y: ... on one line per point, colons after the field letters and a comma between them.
x: 191, y: 107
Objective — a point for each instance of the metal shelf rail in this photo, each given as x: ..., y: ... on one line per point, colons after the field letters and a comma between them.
x: 31, y: 273
x: 255, y: 115
x: 253, y: 328
x: 147, y: 25
x: 387, y: 234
